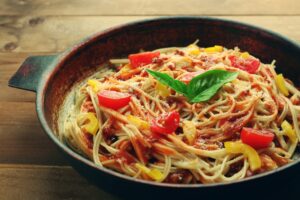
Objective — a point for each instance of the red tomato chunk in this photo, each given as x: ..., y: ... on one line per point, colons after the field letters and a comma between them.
x: 257, y: 138
x: 166, y: 123
x: 141, y: 59
x: 249, y: 65
x: 112, y: 99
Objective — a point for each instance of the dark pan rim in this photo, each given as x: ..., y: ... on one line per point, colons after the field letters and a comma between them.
x: 71, y: 51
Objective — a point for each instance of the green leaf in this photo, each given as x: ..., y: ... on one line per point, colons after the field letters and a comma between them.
x: 205, y: 86
x: 167, y: 80
x: 201, y: 88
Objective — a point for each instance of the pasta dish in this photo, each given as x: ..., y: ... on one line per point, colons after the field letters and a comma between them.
x: 185, y: 115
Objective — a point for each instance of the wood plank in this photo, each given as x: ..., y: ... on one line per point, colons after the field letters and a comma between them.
x: 28, y: 144
x: 36, y: 182
x: 153, y: 7
x: 56, y: 33
x: 18, y: 113
x: 22, y: 138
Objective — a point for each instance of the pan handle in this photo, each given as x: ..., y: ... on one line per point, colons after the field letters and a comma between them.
x: 30, y: 73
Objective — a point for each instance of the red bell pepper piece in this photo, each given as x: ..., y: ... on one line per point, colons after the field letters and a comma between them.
x: 141, y: 59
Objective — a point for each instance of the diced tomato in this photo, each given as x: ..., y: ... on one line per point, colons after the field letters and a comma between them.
x: 141, y: 59
x: 112, y: 99
x: 166, y: 123
x: 223, y: 121
x: 257, y: 138
x: 189, y: 76
x: 249, y: 65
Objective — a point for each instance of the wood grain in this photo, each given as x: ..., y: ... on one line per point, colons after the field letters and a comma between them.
x: 22, y: 138
x: 55, y: 34
x: 28, y: 144
x: 29, y: 182
x: 18, y: 113
x: 146, y: 7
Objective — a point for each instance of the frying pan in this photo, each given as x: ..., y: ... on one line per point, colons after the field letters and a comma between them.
x: 53, y: 76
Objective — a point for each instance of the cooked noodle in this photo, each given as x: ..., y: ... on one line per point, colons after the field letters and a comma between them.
x: 251, y: 100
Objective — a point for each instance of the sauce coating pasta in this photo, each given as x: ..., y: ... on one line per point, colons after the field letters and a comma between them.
x: 127, y: 120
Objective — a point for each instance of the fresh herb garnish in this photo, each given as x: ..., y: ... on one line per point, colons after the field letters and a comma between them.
x: 200, y: 88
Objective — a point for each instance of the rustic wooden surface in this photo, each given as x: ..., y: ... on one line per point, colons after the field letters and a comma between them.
x: 30, y: 165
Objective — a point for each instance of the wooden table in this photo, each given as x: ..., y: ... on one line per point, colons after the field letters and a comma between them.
x: 30, y: 165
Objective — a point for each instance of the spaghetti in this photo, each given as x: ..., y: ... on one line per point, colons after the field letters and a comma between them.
x: 124, y: 119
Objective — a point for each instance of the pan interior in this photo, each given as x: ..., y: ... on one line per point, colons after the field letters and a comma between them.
x: 84, y: 59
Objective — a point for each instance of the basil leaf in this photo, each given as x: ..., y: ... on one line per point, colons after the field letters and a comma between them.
x: 206, y: 85
x: 206, y: 94
x: 167, y: 80
x: 201, y: 88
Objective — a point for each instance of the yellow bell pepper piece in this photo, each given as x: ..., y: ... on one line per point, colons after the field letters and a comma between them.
x: 193, y: 50
x: 214, y: 49
x: 139, y: 123
x: 155, y: 174
x: 125, y: 69
x: 189, y: 130
x: 88, y: 122
x: 245, y: 55
x: 248, y: 151
x: 94, y: 84
x: 162, y: 90
x: 234, y: 147
x: 279, y: 80
x: 289, y: 131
